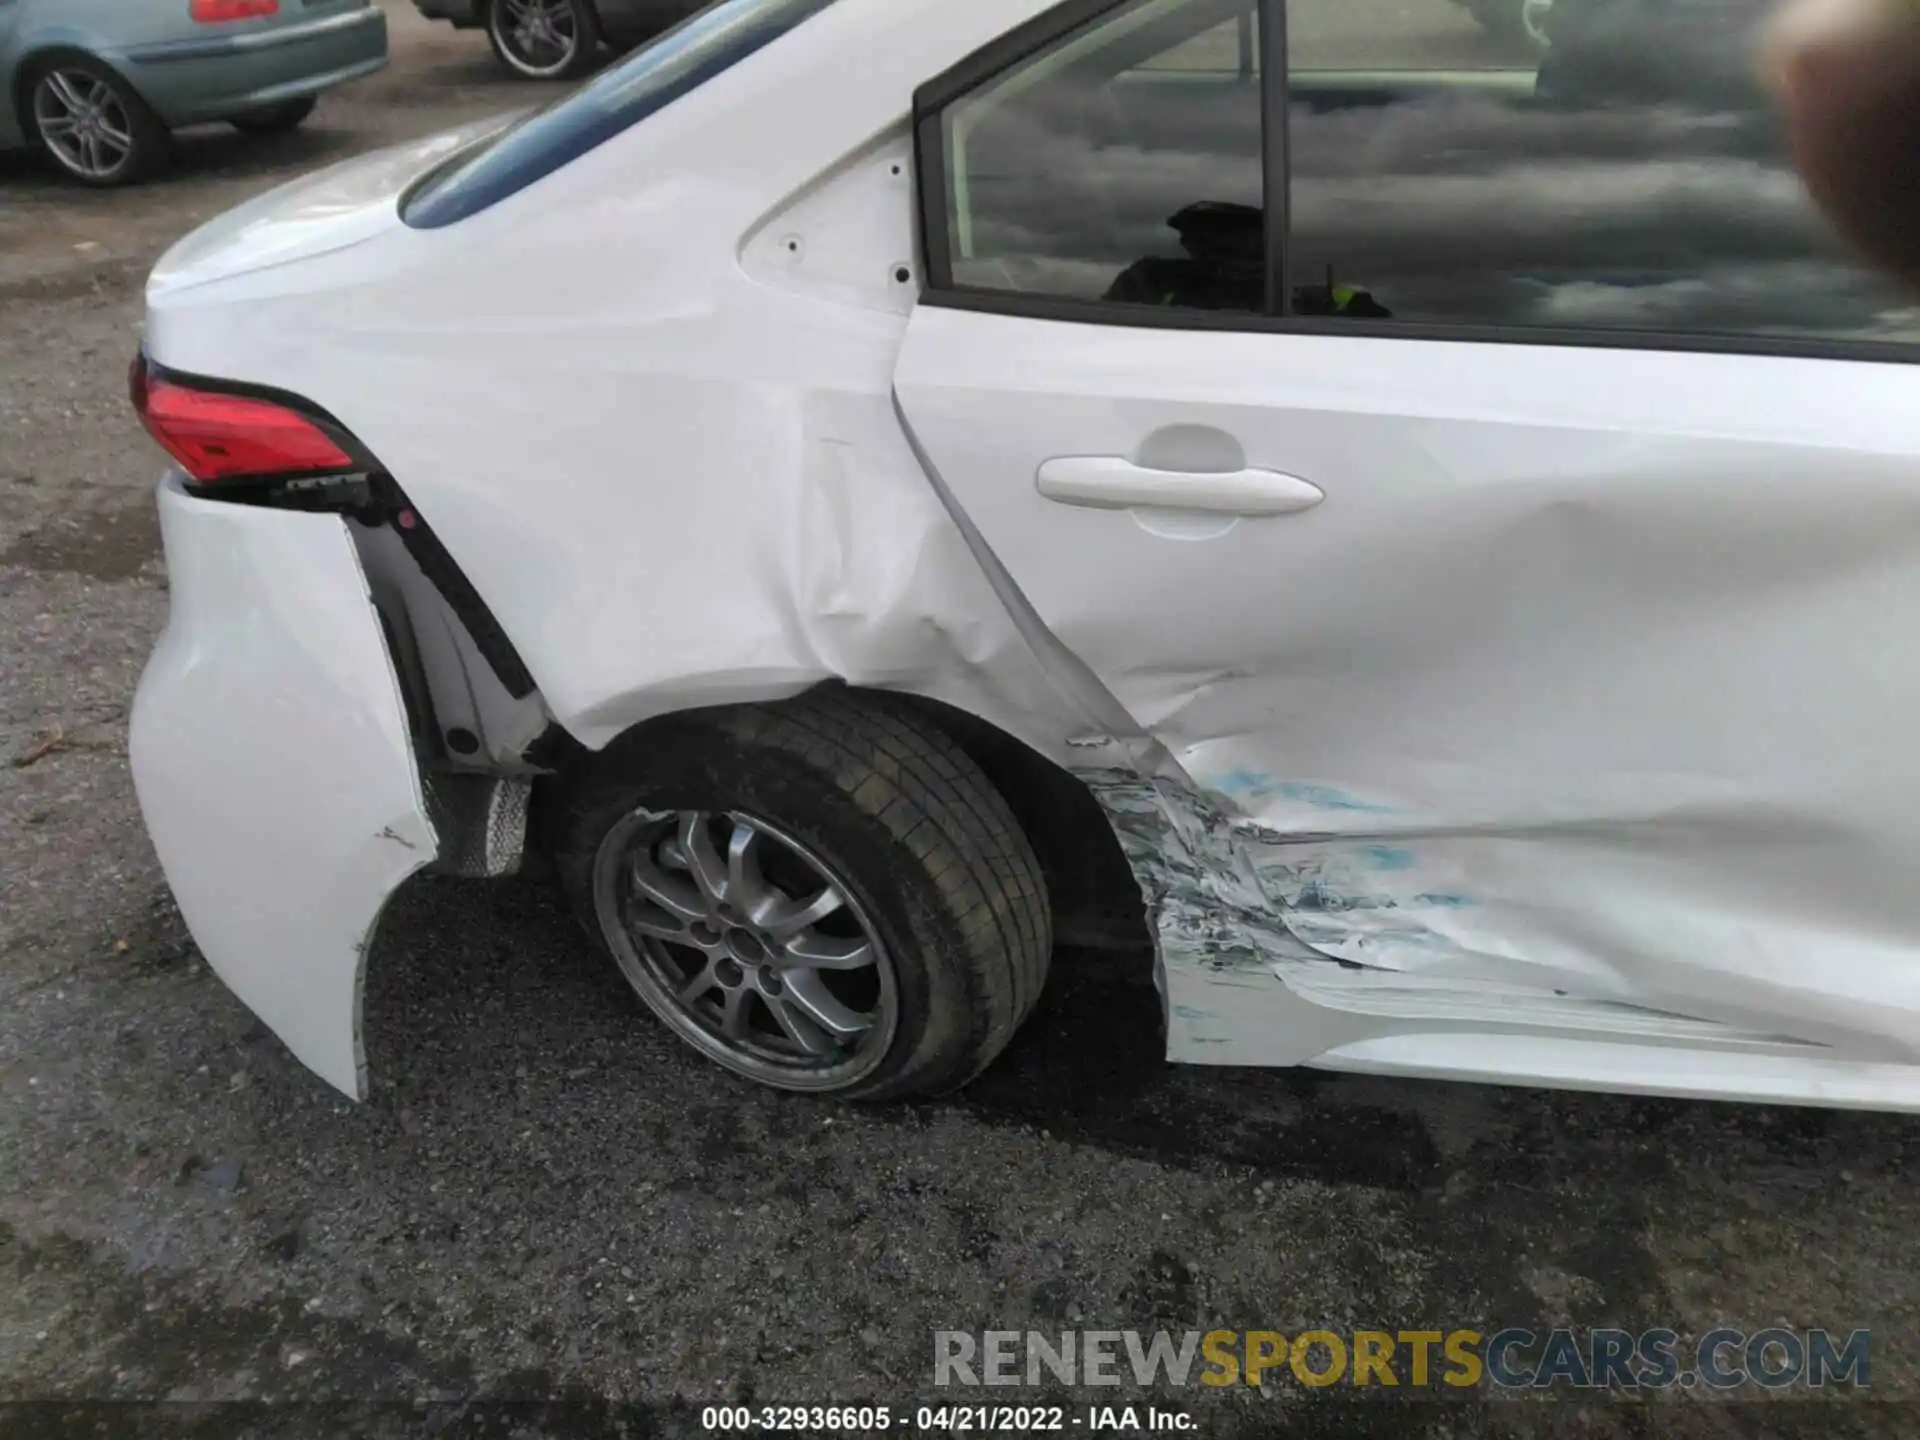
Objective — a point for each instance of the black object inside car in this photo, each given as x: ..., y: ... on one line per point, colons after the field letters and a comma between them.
x: 1225, y: 268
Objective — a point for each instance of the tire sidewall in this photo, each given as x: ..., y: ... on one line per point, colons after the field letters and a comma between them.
x: 720, y: 768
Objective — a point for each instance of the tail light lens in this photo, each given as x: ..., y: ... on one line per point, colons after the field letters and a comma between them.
x: 217, y: 436
x: 216, y: 12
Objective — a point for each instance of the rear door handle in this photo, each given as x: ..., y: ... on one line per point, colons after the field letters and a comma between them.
x: 1113, y: 482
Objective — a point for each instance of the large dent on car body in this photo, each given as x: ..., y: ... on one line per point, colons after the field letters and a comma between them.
x: 1280, y: 946
x: 1416, y: 783
x: 1737, y: 909
x: 272, y: 759
x: 1221, y: 944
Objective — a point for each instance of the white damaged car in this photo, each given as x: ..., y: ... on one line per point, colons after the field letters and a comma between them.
x: 865, y: 488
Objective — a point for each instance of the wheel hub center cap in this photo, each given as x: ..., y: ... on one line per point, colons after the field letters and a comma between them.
x: 749, y: 949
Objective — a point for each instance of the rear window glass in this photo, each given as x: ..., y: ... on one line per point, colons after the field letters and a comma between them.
x: 680, y: 61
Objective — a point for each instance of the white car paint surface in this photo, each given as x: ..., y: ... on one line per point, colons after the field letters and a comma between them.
x: 1545, y: 697
x: 1504, y: 711
x: 271, y: 756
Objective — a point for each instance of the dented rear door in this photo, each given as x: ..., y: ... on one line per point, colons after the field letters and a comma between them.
x: 1588, y: 677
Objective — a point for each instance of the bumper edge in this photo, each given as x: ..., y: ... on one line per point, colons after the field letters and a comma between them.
x: 271, y: 755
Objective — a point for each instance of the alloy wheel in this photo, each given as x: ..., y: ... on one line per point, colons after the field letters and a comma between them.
x: 541, y: 37
x: 83, y: 123
x: 748, y: 945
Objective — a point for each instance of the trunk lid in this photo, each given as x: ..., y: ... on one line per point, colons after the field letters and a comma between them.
x: 332, y: 209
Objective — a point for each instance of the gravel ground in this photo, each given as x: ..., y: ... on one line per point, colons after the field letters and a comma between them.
x: 548, y: 1219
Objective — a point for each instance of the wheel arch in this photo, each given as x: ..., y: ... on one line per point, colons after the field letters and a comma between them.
x: 1096, y: 897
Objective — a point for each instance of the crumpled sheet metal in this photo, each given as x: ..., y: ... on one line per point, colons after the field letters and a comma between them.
x: 1281, y: 937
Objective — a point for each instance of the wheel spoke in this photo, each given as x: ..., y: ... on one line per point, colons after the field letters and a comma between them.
x: 800, y: 1029
x: 747, y: 889
x: 52, y: 126
x: 62, y: 87
x: 674, y: 931
x: 669, y: 892
x: 119, y: 139
x: 703, y: 861
x: 733, y: 1015
x: 808, y: 993
x: 797, y: 915
x: 699, y: 985
x: 810, y: 950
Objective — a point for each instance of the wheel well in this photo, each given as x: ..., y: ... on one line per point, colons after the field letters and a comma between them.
x: 1096, y: 898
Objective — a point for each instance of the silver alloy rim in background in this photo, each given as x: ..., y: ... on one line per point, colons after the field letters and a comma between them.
x: 1533, y: 20
x: 83, y: 122
x: 541, y: 37
x: 747, y: 944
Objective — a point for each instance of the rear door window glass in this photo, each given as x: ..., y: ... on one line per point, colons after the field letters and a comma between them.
x: 1121, y: 163
x: 1630, y: 175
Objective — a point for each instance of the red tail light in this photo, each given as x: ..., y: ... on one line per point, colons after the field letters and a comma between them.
x: 226, y: 437
x: 215, y: 12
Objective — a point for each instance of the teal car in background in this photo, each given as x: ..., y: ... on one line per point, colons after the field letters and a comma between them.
x: 98, y: 86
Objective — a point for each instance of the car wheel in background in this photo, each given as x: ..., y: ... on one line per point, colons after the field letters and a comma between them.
x: 1524, y: 20
x: 91, y: 123
x: 275, y: 119
x: 825, y: 896
x: 544, y: 39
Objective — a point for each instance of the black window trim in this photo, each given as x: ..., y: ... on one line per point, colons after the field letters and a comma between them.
x: 998, y: 57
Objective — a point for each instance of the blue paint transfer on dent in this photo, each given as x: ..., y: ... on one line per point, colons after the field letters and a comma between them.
x: 1385, y: 857
x: 1257, y: 785
x: 1241, y: 782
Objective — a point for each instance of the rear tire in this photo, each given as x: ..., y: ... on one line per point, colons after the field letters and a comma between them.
x: 544, y: 39
x: 275, y: 119
x: 90, y: 124
x: 887, y: 812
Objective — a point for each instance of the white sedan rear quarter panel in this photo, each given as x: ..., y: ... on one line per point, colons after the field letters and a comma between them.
x: 668, y: 461
x: 274, y: 769
x: 647, y: 404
